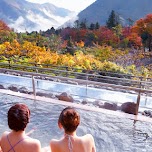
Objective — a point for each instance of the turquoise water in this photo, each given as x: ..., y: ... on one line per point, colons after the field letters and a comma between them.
x: 111, y: 133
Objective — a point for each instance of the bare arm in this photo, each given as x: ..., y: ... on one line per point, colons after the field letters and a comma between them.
x: 35, y: 146
x: 53, y: 146
x: 1, y: 150
x: 93, y: 144
x: 0, y: 146
x: 39, y: 147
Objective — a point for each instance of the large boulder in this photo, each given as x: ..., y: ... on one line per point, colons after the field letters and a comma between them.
x: 84, y: 101
x: 44, y: 94
x: 65, y: 97
x: 98, y: 103
x: 23, y: 90
x: 110, y: 106
x: 129, y: 107
x: 1, y: 86
x: 13, y: 88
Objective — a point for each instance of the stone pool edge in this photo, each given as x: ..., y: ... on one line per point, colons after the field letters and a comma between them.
x: 79, y: 106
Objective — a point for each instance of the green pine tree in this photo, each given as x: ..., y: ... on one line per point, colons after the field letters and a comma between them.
x: 113, y: 20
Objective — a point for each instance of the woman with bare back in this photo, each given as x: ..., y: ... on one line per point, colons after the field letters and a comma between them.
x: 69, y: 120
x: 16, y: 140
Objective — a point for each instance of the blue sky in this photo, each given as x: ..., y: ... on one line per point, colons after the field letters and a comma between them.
x: 73, y: 5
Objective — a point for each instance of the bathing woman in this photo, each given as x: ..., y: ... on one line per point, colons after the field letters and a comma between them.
x: 16, y: 140
x: 69, y: 120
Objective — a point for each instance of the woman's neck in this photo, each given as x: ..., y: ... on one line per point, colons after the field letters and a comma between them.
x: 18, y: 133
x: 71, y: 134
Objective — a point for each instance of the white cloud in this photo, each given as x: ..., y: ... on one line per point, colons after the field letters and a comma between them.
x: 41, y: 23
x: 73, y: 5
x: 18, y: 24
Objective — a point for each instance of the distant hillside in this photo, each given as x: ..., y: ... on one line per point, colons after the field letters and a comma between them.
x: 100, y: 10
x: 22, y: 15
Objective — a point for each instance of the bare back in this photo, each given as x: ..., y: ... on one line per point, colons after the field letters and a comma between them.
x: 11, y: 143
x: 83, y: 144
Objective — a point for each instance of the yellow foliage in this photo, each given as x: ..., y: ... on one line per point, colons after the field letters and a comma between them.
x: 80, y: 44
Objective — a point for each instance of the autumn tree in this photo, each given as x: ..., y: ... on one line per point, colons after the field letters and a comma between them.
x: 144, y: 28
x: 3, y: 26
x: 53, y: 42
x: 70, y: 47
x: 6, y: 34
x: 90, y: 39
x: 106, y: 36
x: 135, y: 40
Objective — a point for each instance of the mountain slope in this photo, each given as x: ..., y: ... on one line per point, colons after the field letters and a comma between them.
x: 100, y: 10
x: 22, y: 15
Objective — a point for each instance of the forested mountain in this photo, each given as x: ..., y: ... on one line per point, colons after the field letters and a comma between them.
x: 127, y: 10
x: 22, y: 15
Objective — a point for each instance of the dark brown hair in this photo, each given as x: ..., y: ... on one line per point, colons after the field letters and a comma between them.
x: 18, y: 117
x: 69, y: 119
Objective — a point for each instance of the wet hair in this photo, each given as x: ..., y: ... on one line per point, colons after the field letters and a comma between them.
x: 18, y: 117
x: 69, y: 119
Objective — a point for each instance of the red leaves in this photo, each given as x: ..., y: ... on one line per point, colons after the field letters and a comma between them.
x: 3, y: 26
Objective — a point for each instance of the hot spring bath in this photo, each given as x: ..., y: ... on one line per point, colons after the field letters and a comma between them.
x: 112, y: 133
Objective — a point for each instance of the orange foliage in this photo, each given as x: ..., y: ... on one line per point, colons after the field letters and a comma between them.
x: 3, y: 26
x: 143, y: 25
x: 80, y: 44
x: 135, y: 39
x: 11, y: 49
x: 106, y: 36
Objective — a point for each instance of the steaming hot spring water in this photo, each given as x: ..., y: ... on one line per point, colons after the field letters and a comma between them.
x: 112, y: 131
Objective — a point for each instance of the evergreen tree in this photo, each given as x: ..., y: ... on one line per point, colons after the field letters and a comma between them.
x: 97, y: 25
x: 92, y: 26
x: 113, y: 20
x: 83, y: 24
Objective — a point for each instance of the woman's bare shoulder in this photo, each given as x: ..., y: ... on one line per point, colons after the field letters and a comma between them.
x: 4, y: 134
x: 55, y: 144
x: 32, y: 143
x: 87, y: 136
x: 55, y: 141
x: 89, y: 141
x: 31, y: 140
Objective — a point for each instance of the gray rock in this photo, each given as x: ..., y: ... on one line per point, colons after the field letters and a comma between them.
x: 84, y: 101
x: 44, y: 94
x: 129, y: 107
x: 98, y: 103
x: 65, y: 97
x: 13, y: 88
x: 23, y: 90
x: 110, y: 106
x: 147, y: 113
x: 1, y: 86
